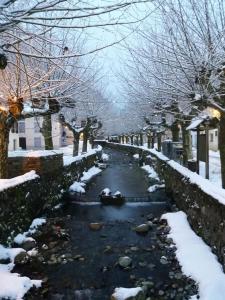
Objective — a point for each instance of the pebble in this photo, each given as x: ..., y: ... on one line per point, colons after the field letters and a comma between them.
x: 95, y: 226
x: 125, y: 261
x: 143, y: 228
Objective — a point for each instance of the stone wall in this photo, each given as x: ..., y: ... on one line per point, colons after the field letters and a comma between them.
x: 41, y: 164
x: 205, y: 212
x: 19, y: 205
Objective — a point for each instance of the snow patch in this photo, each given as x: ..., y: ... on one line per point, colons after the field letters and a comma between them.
x: 105, y: 157
x: 136, y: 156
x: 106, y: 192
x: 12, y: 285
x: 196, y: 258
x: 90, y: 173
x: 151, y: 172
x: 22, y: 238
x: 125, y: 293
x: 155, y: 187
x: 77, y: 187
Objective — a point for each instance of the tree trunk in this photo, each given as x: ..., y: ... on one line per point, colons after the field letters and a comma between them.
x: 137, y: 140
x: 222, y: 147
x: 187, y: 147
x: 175, y: 132
x: 131, y: 139
x: 46, y: 131
x: 141, y: 139
x: 76, y: 139
x: 85, y: 141
x: 4, y: 141
x: 153, y: 140
x: 159, y: 141
x: 149, y: 141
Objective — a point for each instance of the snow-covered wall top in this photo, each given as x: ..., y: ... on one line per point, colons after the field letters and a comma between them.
x: 36, y: 153
x: 12, y: 182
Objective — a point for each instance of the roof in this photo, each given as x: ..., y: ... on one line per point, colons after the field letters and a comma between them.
x: 201, y: 121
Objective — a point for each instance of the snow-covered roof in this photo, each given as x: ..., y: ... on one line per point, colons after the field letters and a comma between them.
x: 195, y: 123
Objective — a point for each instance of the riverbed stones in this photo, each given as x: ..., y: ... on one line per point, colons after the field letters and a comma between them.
x: 21, y: 258
x: 28, y: 244
x: 124, y: 261
x: 143, y: 228
x: 95, y: 226
x: 164, y: 260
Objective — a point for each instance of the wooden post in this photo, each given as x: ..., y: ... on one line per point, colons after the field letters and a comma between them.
x: 207, y: 152
x: 197, y: 156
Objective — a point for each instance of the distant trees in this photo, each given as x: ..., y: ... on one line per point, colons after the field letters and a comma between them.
x: 182, y: 58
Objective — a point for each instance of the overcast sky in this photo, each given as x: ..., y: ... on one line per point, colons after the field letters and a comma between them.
x: 112, y: 57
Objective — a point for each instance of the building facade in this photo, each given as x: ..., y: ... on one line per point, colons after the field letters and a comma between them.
x: 26, y: 134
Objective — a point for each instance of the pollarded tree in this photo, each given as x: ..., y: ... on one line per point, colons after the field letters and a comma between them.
x: 24, y: 22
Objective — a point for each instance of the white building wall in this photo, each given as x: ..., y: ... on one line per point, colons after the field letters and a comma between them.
x: 213, y: 139
x: 33, y: 136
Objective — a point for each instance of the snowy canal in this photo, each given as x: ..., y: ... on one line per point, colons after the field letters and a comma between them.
x: 87, y: 249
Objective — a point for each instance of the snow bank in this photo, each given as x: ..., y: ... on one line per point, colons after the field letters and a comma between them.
x: 136, y: 156
x: 77, y: 187
x: 23, y: 237
x: 151, y: 172
x: 105, y: 157
x: 196, y: 258
x: 12, y: 285
x: 37, y: 222
x: 155, y: 187
x: 12, y: 182
x: 90, y: 173
x: 68, y: 160
x: 125, y: 293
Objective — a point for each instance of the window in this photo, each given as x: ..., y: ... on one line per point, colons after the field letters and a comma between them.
x: 22, y: 143
x: 15, y: 127
x: 37, y: 125
x: 21, y: 126
x: 211, y: 137
x: 37, y: 142
x: 216, y: 133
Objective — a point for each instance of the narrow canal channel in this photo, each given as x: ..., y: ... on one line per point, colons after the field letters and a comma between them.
x: 88, y: 267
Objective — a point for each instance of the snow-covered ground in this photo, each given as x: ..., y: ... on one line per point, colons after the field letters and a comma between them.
x: 196, y: 258
x: 214, y: 167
